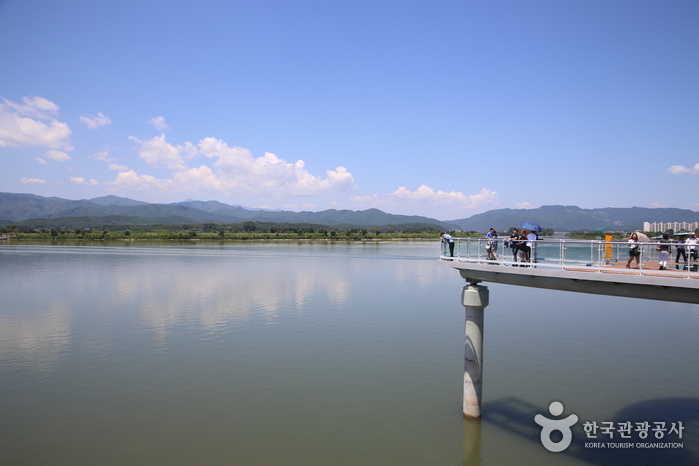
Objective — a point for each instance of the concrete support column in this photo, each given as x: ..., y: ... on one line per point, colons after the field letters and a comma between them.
x: 475, y: 299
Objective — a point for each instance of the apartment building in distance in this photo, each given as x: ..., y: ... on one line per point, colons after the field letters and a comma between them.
x: 674, y: 226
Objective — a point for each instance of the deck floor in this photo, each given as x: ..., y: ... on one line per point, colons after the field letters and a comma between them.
x: 649, y: 268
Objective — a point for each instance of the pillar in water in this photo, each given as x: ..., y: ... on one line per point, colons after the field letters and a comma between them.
x: 474, y: 298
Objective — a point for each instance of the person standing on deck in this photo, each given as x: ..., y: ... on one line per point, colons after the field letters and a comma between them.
x: 664, y: 249
x: 513, y: 243
x: 634, y: 252
x: 692, y: 244
x: 532, y: 237
x: 680, y: 249
x: 492, y: 245
x: 522, y: 246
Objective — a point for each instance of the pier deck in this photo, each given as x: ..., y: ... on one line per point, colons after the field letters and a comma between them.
x: 595, y: 267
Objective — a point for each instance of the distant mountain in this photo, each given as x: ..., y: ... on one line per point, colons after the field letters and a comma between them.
x: 116, y: 200
x: 573, y: 218
x: 22, y: 207
x: 15, y: 208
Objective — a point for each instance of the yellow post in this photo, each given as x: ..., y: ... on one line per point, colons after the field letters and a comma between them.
x: 608, y: 246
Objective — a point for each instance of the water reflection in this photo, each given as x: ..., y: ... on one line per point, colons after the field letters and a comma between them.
x: 35, y: 341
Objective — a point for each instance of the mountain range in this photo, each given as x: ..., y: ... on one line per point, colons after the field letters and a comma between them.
x: 39, y: 211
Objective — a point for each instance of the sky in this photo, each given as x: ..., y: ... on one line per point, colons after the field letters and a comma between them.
x: 440, y: 108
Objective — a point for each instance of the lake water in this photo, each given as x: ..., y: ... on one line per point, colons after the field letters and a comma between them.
x: 319, y: 354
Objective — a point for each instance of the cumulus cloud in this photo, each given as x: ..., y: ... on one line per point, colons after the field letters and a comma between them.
x: 523, y: 205
x: 159, y: 153
x: 680, y: 170
x: 231, y: 169
x: 58, y: 156
x: 32, y: 123
x: 24, y: 180
x: 130, y: 180
x: 428, y: 201
x: 238, y: 168
x: 94, y: 122
x: 159, y: 123
x: 453, y: 198
x: 83, y: 181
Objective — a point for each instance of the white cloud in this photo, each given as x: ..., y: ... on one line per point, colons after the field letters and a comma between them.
x: 58, y: 156
x: 523, y: 205
x: 81, y: 180
x: 157, y: 152
x: 94, y: 122
x: 441, y: 198
x: 24, y: 180
x: 269, y: 174
x: 103, y: 156
x: 680, y: 170
x: 159, y: 123
x: 428, y: 201
x: 116, y: 167
x: 132, y: 180
x: 31, y: 123
x: 231, y: 169
x: 40, y: 160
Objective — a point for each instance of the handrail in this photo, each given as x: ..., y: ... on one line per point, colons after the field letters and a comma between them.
x: 566, y: 254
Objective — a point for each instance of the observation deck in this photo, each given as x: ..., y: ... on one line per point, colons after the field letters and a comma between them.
x: 583, y: 266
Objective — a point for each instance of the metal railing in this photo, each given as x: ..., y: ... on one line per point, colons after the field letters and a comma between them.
x: 564, y: 254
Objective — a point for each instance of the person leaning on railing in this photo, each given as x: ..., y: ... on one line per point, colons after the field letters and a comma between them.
x: 448, y: 239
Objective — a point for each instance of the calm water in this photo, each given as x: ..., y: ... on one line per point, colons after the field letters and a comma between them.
x: 317, y: 354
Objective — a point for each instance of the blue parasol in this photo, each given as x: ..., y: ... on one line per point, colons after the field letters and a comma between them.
x: 531, y: 226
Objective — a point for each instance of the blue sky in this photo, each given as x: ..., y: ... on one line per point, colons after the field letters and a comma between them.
x: 437, y: 108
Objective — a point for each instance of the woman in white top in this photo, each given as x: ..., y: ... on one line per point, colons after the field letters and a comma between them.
x: 634, y: 251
